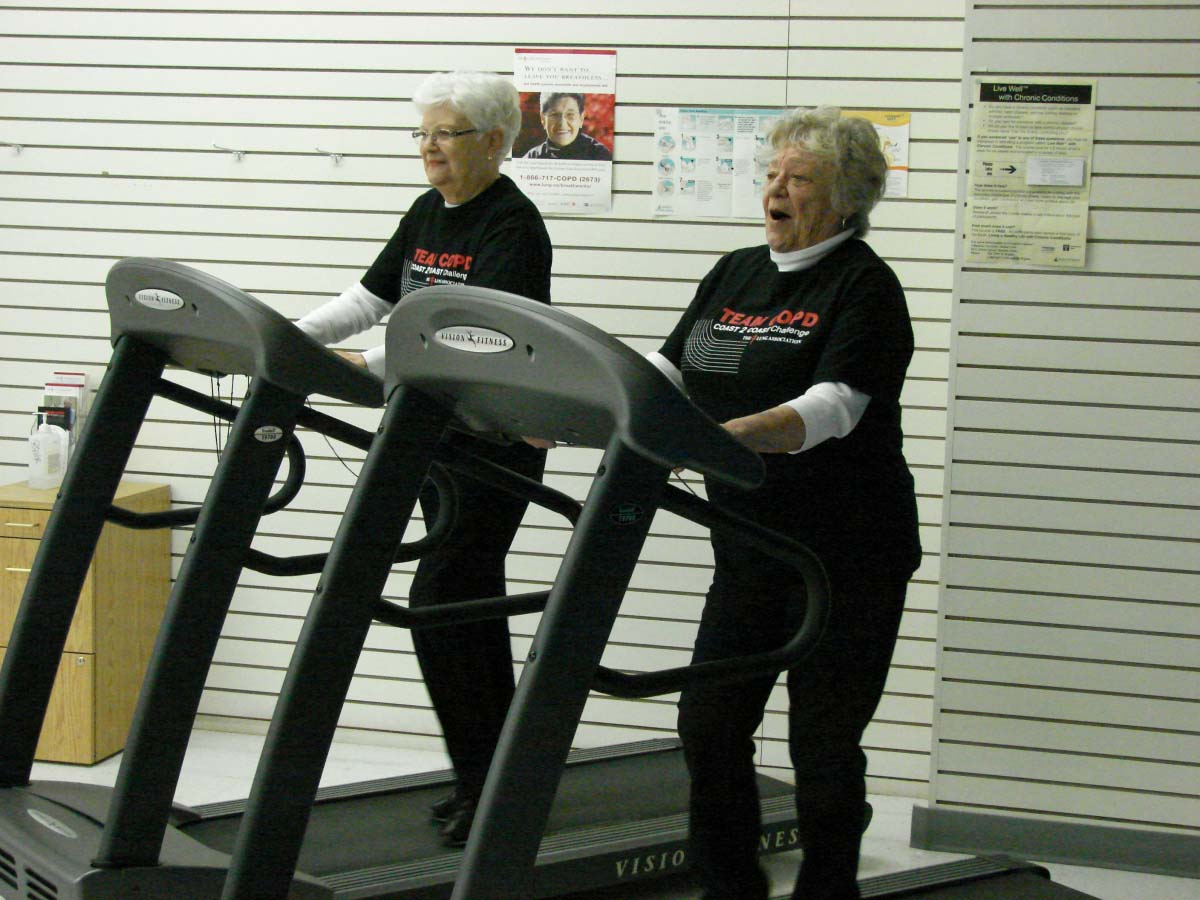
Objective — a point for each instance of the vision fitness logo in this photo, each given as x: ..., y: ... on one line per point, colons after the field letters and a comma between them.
x: 473, y: 339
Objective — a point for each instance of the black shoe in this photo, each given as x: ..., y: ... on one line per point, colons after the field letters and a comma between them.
x: 458, y: 826
x: 442, y: 809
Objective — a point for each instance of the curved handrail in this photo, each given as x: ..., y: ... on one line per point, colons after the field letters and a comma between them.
x: 304, y: 564
x: 170, y: 518
x: 787, y: 655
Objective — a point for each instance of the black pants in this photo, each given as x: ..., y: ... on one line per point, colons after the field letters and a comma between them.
x: 468, y: 669
x: 833, y: 695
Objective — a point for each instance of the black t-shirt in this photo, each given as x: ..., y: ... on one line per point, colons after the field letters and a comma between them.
x: 755, y: 337
x: 584, y: 146
x: 495, y: 240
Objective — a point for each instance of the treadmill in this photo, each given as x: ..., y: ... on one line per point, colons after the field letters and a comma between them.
x: 62, y: 840
x: 66, y: 840
x: 500, y: 363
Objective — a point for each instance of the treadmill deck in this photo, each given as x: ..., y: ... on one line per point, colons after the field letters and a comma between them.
x: 619, y: 816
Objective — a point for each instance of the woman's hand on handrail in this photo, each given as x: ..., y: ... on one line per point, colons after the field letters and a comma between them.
x: 776, y: 430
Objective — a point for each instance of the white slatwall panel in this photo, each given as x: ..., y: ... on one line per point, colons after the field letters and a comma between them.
x: 1069, y: 639
x: 120, y: 108
x: 860, y: 55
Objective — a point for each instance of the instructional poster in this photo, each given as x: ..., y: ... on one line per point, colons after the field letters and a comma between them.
x: 562, y: 156
x: 705, y: 160
x: 1030, y: 172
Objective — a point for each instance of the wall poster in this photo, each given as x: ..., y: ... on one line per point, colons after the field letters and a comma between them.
x: 1030, y: 172
x: 705, y: 159
x: 562, y: 157
x: 893, y: 129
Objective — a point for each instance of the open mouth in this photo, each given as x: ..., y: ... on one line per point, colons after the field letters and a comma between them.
x: 778, y: 215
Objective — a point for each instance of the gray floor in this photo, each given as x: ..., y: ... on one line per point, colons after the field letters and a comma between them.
x: 220, y: 766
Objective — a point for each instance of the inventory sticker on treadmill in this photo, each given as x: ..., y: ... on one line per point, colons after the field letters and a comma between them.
x: 52, y: 823
x: 157, y: 298
x: 268, y: 434
x: 626, y: 514
x: 472, y: 339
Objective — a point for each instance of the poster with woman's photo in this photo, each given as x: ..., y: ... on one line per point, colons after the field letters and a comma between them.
x: 562, y: 157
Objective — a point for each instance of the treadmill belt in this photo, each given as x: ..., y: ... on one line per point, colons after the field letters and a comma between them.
x: 362, y: 832
x: 353, y: 829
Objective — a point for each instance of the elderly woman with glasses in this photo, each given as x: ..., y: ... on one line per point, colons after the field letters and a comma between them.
x: 800, y: 348
x: 475, y: 227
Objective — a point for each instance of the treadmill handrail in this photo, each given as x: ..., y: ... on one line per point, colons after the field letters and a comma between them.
x: 817, y: 593
x: 171, y: 518
x: 460, y: 612
x: 436, y: 532
x: 665, y: 681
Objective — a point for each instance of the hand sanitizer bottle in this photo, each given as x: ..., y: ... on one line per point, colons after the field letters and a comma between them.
x: 47, y: 456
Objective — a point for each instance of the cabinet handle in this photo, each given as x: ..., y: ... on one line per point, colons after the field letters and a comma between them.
x: 17, y: 569
x: 20, y: 525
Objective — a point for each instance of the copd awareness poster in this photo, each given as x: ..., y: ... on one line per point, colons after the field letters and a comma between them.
x: 562, y: 157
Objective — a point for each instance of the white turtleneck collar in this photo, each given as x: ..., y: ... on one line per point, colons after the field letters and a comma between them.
x: 798, y: 260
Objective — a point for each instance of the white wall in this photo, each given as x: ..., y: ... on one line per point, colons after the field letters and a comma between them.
x: 1068, y: 696
x: 118, y: 107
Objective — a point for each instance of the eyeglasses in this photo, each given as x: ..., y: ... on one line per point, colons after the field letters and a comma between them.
x: 440, y: 134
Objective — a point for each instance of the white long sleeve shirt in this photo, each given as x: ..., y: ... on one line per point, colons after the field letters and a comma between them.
x: 353, y: 311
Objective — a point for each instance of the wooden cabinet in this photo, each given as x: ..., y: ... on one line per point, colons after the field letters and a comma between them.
x: 115, y: 623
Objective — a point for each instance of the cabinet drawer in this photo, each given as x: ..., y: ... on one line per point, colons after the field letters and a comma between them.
x: 16, y: 559
x: 22, y: 523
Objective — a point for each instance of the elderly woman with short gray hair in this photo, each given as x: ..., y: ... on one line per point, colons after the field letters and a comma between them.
x: 800, y: 348
x: 474, y: 227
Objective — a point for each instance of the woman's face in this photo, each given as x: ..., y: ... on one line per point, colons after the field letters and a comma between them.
x: 459, y: 167
x: 796, y: 202
x: 562, y: 121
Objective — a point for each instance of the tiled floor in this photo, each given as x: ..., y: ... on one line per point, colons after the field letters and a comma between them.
x: 220, y: 766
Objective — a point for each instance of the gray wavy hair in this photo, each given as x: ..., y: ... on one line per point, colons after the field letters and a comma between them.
x: 848, y: 146
x: 488, y: 101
